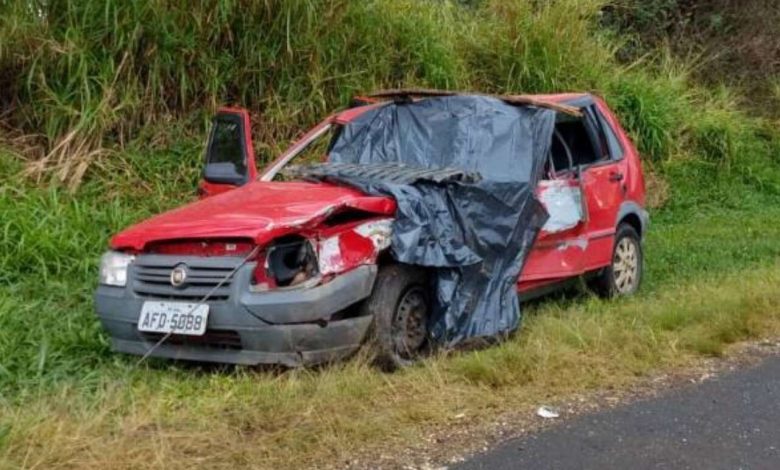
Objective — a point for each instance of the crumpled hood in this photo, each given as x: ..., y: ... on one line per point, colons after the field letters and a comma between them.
x: 259, y: 210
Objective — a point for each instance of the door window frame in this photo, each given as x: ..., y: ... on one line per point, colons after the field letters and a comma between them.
x: 610, y: 147
x: 219, y: 119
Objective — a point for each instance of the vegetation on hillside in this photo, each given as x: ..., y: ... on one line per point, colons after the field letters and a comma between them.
x: 89, y: 78
x: 731, y: 42
x: 104, y: 108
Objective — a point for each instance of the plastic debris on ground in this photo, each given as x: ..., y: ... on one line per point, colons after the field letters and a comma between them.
x: 547, y: 412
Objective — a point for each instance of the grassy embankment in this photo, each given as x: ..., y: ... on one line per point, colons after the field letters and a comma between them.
x: 132, y: 84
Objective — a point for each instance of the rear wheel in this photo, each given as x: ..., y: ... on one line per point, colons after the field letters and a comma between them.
x: 400, y: 305
x: 624, y: 275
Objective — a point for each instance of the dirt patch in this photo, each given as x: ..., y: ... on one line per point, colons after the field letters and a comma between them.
x: 464, y: 436
x: 657, y: 189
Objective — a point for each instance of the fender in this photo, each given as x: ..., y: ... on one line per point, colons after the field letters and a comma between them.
x: 633, y: 208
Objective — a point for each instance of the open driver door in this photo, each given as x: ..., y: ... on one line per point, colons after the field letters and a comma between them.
x: 230, y: 156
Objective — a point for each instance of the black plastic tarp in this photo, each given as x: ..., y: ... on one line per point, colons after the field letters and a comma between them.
x: 477, y: 227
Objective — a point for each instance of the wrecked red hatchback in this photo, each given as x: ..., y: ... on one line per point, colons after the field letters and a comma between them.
x: 294, y: 267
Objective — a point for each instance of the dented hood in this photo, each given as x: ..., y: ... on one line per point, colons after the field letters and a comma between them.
x: 260, y: 211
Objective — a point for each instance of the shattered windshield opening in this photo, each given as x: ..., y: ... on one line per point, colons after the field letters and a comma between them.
x: 317, y: 150
x: 309, y: 151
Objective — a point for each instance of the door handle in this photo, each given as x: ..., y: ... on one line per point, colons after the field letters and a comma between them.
x: 615, y: 176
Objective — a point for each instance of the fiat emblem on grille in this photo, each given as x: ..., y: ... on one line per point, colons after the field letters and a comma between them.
x: 179, y: 275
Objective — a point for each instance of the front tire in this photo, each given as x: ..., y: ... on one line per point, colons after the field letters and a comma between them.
x: 400, y: 304
x: 624, y: 274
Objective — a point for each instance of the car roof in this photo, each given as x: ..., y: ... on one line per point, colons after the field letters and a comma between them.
x: 568, y: 103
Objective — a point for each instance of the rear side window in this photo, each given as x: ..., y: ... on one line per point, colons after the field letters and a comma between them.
x: 577, y: 141
x: 613, y: 144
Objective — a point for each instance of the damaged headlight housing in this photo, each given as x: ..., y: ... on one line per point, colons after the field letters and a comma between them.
x: 113, y: 268
x: 288, y: 262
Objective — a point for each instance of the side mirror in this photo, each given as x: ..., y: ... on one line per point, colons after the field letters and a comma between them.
x: 230, y: 156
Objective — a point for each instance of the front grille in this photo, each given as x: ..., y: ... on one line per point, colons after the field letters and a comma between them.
x: 151, y: 277
x: 214, y: 339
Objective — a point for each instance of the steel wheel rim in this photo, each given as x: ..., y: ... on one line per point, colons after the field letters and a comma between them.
x: 625, y: 265
x: 409, y: 324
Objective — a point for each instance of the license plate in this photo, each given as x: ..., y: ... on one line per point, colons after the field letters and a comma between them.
x: 173, y: 317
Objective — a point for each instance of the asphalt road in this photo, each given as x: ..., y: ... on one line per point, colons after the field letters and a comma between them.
x: 731, y: 422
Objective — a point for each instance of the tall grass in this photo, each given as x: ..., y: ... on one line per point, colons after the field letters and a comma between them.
x: 93, y: 75
x: 90, y: 74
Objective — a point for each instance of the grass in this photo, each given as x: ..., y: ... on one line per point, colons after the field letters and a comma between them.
x: 89, y: 78
x: 174, y: 416
x: 107, y: 104
x: 66, y: 400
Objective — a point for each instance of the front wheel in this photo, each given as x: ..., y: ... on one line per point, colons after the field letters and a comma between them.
x: 624, y: 275
x: 400, y: 305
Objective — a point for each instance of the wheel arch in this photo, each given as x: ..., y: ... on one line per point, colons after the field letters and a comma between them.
x: 633, y: 214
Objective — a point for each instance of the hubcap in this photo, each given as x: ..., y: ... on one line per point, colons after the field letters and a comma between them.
x: 409, y: 326
x: 625, y: 265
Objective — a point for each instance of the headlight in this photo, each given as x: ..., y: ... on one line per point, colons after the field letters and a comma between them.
x: 113, y: 268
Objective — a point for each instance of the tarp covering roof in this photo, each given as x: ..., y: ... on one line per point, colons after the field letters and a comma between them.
x: 476, y: 227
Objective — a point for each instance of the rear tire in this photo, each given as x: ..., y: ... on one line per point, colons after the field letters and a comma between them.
x: 400, y: 304
x: 624, y: 274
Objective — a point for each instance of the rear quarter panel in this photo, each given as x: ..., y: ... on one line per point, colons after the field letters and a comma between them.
x: 635, y: 181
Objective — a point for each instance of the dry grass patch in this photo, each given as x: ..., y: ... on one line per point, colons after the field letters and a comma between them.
x: 155, y: 418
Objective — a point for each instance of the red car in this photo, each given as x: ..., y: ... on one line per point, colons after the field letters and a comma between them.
x: 283, y: 271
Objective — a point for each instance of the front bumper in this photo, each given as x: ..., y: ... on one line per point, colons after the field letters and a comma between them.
x: 291, y: 327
